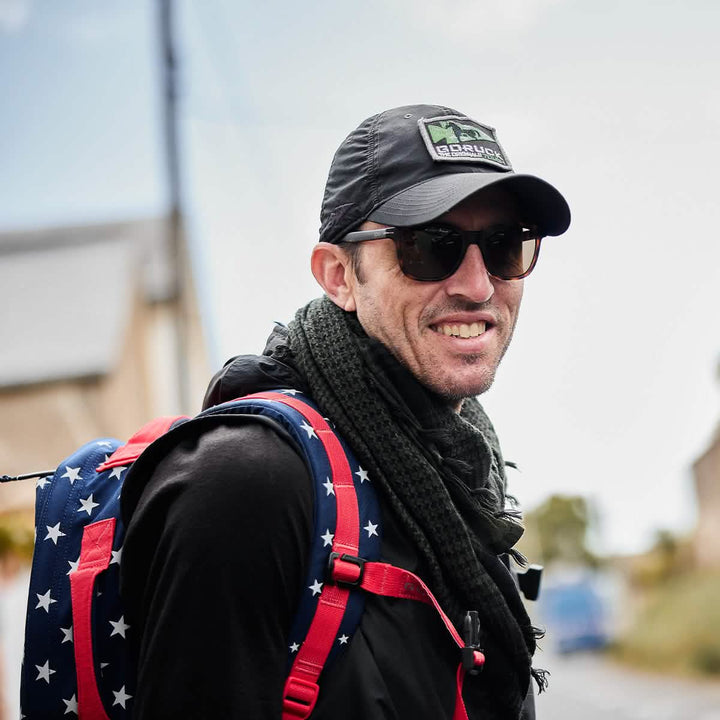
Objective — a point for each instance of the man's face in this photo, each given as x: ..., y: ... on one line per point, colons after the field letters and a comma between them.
x: 450, y: 334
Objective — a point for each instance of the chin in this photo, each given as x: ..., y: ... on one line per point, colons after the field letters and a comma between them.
x: 455, y: 390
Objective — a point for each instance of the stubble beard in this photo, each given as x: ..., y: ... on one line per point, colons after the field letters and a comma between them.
x: 443, y: 386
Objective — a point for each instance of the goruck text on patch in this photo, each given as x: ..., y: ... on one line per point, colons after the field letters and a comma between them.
x: 456, y: 138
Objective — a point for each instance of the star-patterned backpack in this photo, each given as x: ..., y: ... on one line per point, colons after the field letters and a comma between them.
x: 77, y: 661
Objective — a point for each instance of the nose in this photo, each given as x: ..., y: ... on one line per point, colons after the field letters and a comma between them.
x: 471, y: 279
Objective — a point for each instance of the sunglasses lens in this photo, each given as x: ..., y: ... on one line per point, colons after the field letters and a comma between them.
x: 436, y: 252
x: 509, y: 253
x: 428, y: 253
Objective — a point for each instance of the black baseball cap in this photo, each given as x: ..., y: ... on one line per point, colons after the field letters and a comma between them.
x: 411, y: 164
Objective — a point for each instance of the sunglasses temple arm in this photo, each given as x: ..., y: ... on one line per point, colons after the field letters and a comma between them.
x: 362, y: 235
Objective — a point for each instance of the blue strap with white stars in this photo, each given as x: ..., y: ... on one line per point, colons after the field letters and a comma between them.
x: 77, y: 495
x: 325, y: 516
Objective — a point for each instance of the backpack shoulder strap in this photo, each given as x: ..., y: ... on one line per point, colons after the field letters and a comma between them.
x: 140, y: 441
x: 347, y: 524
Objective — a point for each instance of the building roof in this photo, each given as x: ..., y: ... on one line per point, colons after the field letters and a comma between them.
x: 67, y: 295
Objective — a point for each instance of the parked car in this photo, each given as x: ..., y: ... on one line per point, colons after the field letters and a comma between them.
x: 575, y: 613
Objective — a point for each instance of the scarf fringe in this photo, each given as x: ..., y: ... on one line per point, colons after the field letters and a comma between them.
x: 540, y: 676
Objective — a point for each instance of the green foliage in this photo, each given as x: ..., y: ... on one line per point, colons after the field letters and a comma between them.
x: 678, y: 630
x: 557, y: 531
x: 670, y: 556
x: 17, y: 536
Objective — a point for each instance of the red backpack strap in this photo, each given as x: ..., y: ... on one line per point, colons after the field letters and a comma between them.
x: 391, y: 581
x: 347, y: 571
x: 301, y: 686
x: 131, y: 450
x: 95, y: 555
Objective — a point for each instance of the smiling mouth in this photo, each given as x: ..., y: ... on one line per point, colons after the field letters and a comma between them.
x: 461, y: 330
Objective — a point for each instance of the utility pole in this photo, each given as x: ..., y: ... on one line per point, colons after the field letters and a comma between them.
x: 175, y: 229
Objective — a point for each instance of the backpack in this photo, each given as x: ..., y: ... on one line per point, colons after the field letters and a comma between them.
x: 76, y: 658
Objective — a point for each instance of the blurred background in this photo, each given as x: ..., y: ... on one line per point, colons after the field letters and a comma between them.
x: 161, y: 171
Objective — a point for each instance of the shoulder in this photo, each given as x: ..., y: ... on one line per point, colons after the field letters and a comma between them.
x: 232, y: 460
x: 233, y: 471
x: 237, y: 497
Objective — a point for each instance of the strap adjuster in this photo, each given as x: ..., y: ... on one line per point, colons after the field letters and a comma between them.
x: 345, y: 570
x: 299, y: 697
x: 473, y: 660
x: 472, y: 655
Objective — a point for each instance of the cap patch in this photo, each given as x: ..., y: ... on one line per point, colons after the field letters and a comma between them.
x: 456, y: 138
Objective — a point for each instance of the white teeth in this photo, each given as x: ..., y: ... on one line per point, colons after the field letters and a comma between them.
x: 463, y: 330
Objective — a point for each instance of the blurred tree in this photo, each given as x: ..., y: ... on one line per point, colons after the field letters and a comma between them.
x: 557, y: 531
x: 16, y: 538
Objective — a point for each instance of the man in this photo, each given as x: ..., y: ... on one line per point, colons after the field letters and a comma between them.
x: 426, y: 234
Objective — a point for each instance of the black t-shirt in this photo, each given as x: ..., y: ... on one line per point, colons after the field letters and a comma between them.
x: 213, y: 566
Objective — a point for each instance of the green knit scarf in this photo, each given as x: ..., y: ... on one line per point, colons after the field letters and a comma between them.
x: 441, y: 472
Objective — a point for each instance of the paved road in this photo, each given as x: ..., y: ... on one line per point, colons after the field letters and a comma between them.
x: 584, y: 687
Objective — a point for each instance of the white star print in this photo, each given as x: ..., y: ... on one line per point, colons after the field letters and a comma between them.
x: 121, y: 697
x: 309, y: 429
x: 44, y: 601
x: 117, y: 472
x: 327, y: 538
x: 67, y: 635
x: 54, y: 533
x: 71, y: 705
x: 104, y: 443
x: 316, y: 587
x: 44, y: 672
x: 294, y: 647
x: 119, y: 627
x: 87, y: 505
x: 343, y: 639
x: 371, y: 529
x: 115, y: 556
x: 43, y: 481
x: 72, y: 474
x: 290, y: 392
x: 329, y: 487
x: 362, y: 474
x: 74, y: 564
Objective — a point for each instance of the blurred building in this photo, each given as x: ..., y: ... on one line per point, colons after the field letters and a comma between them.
x: 88, y: 326
x: 706, y: 470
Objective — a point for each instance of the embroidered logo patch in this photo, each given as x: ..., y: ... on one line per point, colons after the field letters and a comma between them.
x: 456, y: 138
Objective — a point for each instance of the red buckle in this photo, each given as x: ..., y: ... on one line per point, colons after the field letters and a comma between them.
x: 299, y: 698
x: 345, y: 570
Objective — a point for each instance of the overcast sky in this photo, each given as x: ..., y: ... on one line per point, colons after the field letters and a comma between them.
x: 610, y: 388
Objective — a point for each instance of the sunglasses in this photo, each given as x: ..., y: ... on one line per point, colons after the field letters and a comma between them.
x: 434, y: 252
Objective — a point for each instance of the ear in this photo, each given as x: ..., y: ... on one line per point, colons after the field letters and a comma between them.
x: 331, y: 267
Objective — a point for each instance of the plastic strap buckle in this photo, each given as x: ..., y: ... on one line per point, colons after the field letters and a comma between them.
x: 345, y: 570
x: 299, y: 698
x: 473, y: 658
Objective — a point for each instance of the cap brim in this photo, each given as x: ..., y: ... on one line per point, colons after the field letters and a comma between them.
x: 426, y: 201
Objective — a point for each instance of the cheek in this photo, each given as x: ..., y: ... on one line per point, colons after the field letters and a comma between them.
x: 511, y: 295
x: 389, y: 311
